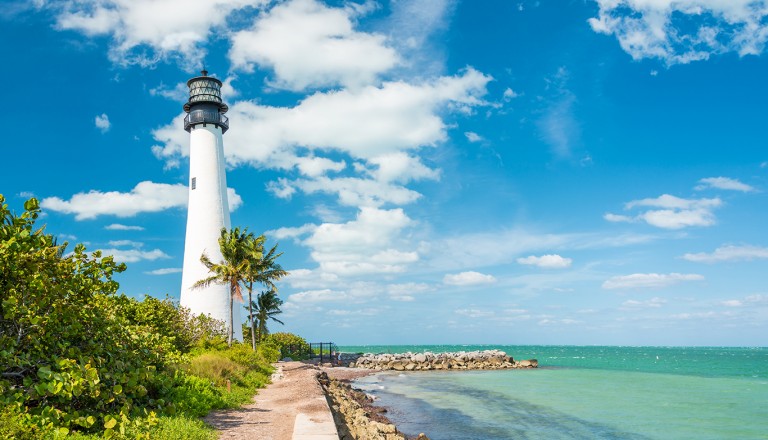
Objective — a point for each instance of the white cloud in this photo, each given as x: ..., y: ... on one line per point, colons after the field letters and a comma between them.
x: 120, y: 227
x: 510, y: 94
x: 179, y: 93
x: 558, y: 124
x: 145, y: 197
x: 653, y: 303
x: 724, y: 183
x: 672, y: 202
x: 166, y: 271
x: 317, y: 166
x: 234, y: 200
x: 618, y: 218
x: 320, y: 295
x: 648, y: 280
x: 400, y: 167
x: 371, y: 243
x: 167, y: 28
x: 131, y: 243
x: 134, y: 255
x: 674, y: 212
x: 729, y: 253
x: 474, y: 313
x: 406, y: 291
x: 366, y: 123
x: 549, y: 261
x: 674, y: 219
x: 682, y: 31
x: 473, y: 137
x: 311, y: 45
x: 102, y: 122
x: 287, y: 232
x: 353, y: 293
x: 469, y: 278
x: 352, y: 191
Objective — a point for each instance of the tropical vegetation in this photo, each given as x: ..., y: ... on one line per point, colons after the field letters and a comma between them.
x: 267, y: 306
x: 78, y: 359
x: 243, y: 263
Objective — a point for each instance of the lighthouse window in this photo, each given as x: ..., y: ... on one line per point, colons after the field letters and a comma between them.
x: 194, y: 182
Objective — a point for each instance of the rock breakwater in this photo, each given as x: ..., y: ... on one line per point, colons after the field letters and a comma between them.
x: 462, y: 360
x: 355, y: 416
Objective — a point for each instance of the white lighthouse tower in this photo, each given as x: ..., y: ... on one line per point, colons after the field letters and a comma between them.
x: 208, y: 210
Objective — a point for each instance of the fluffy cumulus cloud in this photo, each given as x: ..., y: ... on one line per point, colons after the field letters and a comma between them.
x: 102, y: 122
x: 147, y: 31
x: 670, y: 212
x: 379, y: 127
x: 470, y: 278
x: 308, y: 44
x: 372, y: 243
x: 682, y: 31
x: 729, y: 253
x: 724, y: 183
x: 365, y: 123
x: 144, y: 197
x: 649, y: 280
x: 549, y: 261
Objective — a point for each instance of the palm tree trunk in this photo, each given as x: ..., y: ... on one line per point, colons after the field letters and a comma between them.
x: 231, y: 319
x: 250, y: 315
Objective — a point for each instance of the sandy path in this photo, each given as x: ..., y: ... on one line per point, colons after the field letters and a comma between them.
x: 271, y: 416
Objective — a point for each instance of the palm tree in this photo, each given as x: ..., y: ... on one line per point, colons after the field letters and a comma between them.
x: 261, y: 269
x: 267, y: 305
x: 232, y: 270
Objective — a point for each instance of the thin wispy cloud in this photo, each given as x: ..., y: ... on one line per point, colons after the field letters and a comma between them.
x: 649, y: 280
x: 729, y: 253
x: 165, y: 271
x: 724, y: 183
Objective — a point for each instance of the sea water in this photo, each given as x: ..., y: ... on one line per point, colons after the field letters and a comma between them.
x: 583, y: 393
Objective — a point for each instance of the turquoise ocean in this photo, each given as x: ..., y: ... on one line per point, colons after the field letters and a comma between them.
x: 582, y: 393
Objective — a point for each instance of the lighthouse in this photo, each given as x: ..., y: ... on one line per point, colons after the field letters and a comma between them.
x: 208, y: 210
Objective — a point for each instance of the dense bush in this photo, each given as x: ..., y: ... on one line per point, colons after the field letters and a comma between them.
x: 289, y: 344
x: 78, y: 359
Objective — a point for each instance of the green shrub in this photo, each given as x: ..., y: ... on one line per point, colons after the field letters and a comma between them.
x: 78, y: 359
x: 215, y: 367
x: 289, y: 344
x: 195, y: 396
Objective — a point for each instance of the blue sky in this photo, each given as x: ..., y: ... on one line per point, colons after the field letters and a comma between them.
x: 436, y: 171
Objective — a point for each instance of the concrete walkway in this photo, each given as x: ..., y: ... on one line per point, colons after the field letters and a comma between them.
x: 317, y: 427
x: 293, y: 406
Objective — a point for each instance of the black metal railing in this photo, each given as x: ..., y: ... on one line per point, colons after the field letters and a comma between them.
x: 324, y: 351
x: 206, y: 117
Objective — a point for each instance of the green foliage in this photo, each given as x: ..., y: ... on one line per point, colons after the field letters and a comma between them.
x: 71, y: 355
x: 289, y: 344
x: 266, y: 306
x: 79, y: 360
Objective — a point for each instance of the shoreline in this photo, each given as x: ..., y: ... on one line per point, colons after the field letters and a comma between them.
x: 353, y: 411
